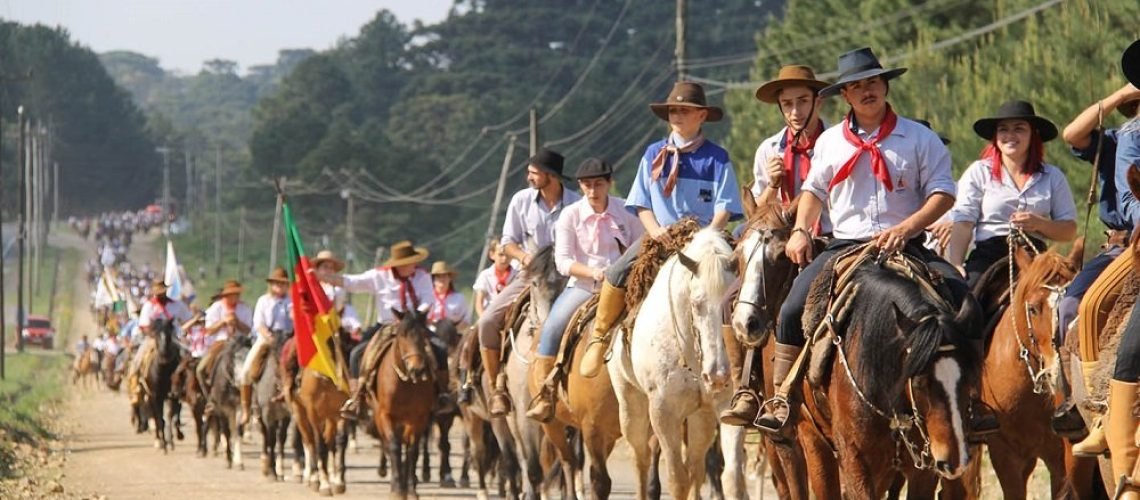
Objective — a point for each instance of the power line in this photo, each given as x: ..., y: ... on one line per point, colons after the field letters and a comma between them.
x: 940, y: 45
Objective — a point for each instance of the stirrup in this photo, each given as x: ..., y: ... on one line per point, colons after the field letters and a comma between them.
x: 348, y: 412
x: 772, y: 404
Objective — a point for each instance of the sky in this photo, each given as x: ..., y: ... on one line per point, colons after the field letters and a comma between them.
x: 182, y: 34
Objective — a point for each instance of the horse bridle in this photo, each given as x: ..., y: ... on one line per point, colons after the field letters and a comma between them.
x: 402, y: 371
x: 1039, y: 375
x: 761, y: 248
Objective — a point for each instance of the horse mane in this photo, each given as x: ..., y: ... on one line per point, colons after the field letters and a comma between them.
x: 713, y: 255
x: 653, y: 254
x: 887, y: 302
x: 1045, y: 267
x: 542, y: 264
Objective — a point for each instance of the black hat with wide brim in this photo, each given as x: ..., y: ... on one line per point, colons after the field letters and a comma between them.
x: 1016, y: 110
x: 550, y: 162
x: 594, y: 167
x: 859, y: 64
x: 1130, y: 63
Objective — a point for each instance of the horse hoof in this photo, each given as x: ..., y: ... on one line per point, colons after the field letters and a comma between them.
x: 482, y: 495
x: 315, y: 486
x: 464, y: 482
x: 382, y: 472
x: 325, y: 492
x: 229, y: 465
x: 447, y: 483
x: 339, y: 489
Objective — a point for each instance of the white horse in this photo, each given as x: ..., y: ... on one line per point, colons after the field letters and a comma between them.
x: 675, y: 370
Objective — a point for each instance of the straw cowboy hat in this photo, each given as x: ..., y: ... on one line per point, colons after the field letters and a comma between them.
x: 549, y: 161
x: 404, y: 253
x: 688, y: 95
x: 859, y: 64
x: 1016, y: 110
x: 441, y: 267
x: 232, y: 287
x: 789, y: 76
x: 158, y: 287
x: 278, y: 275
x: 328, y: 256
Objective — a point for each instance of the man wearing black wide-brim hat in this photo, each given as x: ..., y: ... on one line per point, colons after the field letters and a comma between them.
x: 528, y: 227
x: 884, y: 179
x: 683, y: 175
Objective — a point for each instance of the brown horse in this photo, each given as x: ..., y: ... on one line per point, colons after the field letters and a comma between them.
x: 403, y: 399
x: 1018, y: 376
x: 316, y: 403
x: 588, y: 405
x: 489, y: 440
x: 85, y: 371
x: 191, y: 395
x: 896, y: 395
x: 766, y: 276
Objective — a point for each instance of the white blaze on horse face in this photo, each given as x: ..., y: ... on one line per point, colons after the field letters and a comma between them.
x: 949, y: 374
x: 749, y: 286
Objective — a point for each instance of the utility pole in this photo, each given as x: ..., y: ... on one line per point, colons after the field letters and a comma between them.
x: 498, y: 201
x: 371, y: 303
x: 55, y: 193
x: 3, y: 256
x: 217, y: 212
x: 533, y: 131
x: 165, y: 151
x: 34, y: 146
x: 20, y: 231
x: 276, y: 238
x: 241, y: 243
x: 680, y: 50
x: 349, y: 232
x: 186, y: 207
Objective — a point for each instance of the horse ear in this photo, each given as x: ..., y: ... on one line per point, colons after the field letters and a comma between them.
x: 969, y: 315
x: 1022, y: 258
x: 905, y: 322
x: 688, y: 262
x: 398, y: 313
x: 748, y: 201
x: 1077, y: 254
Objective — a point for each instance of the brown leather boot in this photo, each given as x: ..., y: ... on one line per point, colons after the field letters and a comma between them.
x: 246, y: 392
x: 611, y: 305
x: 777, y: 409
x: 745, y: 404
x: 1096, y: 443
x: 543, y: 404
x: 1121, y: 433
x: 350, y: 410
x: 444, y: 401
x: 500, y: 400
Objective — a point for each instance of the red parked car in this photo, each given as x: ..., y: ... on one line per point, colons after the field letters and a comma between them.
x: 38, y: 330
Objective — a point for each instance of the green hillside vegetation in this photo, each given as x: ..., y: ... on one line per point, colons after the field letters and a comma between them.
x: 1062, y: 59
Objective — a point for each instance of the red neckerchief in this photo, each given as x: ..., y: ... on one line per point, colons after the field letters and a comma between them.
x: 658, y: 163
x: 439, y: 310
x: 878, y: 164
x: 501, y: 278
x: 407, y: 291
x: 791, y: 151
x: 161, y: 307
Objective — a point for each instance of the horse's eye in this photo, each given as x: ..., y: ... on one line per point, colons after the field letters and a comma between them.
x: 1031, y: 309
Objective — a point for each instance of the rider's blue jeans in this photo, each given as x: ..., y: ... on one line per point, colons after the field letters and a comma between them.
x: 560, y: 313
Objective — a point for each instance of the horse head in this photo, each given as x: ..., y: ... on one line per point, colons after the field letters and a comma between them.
x: 411, y: 346
x: 164, y: 333
x: 1033, y: 314
x: 447, y: 332
x: 545, y: 282
x: 766, y: 273
x: 698, y: 277
x: 917, y: 367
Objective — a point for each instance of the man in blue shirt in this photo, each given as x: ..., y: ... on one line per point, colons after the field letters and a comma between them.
x: 683, y: 175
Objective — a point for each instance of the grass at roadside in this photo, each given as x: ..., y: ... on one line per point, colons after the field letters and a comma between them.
x: 33, y: 384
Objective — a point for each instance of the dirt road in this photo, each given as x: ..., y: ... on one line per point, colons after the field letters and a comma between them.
x: 107, y: 458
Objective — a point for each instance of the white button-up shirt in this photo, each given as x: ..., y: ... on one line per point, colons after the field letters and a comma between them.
x: 272, y: 313
x: 860, y: 206
x: 488, y: 283
x: 593, y: 239
x: 989, y: 202
x: 453, y: 307
x: 216, y: 313
x: 773, y: 147
x: 173, y: 310
x: 529, y: 223
x: 385, y: 288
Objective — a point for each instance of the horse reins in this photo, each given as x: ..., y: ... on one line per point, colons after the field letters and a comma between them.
x: 1038, y: 376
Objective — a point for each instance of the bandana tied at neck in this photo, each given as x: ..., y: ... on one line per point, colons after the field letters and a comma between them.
x: 792, y: 151
x: 675, y: 152
x: 878, y: 163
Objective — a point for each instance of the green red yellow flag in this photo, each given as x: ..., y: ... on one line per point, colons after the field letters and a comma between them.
x: 314, y: 317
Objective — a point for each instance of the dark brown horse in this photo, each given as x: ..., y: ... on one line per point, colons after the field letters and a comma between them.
x: 192, y: 396
x: 316, y: 403
x: 404, y: 396
x: 224, y: 399
x: 896, y: 396
x: 159, y: 376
